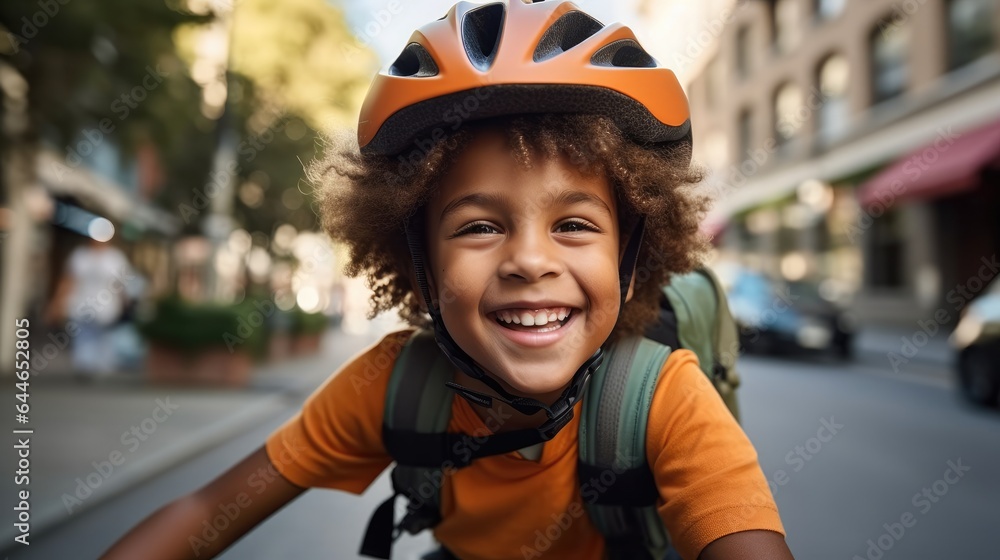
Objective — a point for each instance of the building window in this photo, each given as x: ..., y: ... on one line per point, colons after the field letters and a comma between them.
x: 785, y: 24
x: 970, y: 30
x: 834, y: 112
x: 829, y: 9
x: 887, y: 251
x: 890, y: 50
x: 789, y: 113
x: 743, y: 51
x: 745, y: 128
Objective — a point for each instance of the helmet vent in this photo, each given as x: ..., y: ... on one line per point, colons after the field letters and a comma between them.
x: 623, y: 54
x: 414, y: 61
x: 567, y: 32
x: 481, y: 34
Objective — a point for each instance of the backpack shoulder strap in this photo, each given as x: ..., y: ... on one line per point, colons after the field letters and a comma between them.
x: 706, y: 327
x: 417, y: 403
x: 616, y: 483
x: 417, y: 398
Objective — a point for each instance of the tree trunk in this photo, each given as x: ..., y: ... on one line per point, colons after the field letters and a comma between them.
x: 17, y: 175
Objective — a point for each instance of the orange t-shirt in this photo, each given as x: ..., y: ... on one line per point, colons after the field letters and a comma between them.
x: 508, y: 507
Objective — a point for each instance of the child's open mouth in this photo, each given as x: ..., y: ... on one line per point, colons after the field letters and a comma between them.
x: 534, y: 320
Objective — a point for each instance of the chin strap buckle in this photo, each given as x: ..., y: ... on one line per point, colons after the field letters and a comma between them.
x: 558, y: 421
x: 563, y: 413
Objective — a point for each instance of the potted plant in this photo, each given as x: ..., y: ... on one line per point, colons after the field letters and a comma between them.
x: 307, y: 330
x: 205, y: 344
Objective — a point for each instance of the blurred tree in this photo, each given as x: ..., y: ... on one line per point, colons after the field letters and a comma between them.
x: 295, y: 72
x: 294, y: 51
x: 85, y: 62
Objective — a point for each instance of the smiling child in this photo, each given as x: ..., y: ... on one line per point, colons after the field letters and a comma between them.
x: 514, y: 237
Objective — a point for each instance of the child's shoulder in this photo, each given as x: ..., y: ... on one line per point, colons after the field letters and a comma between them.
x: 682, y: 368
x: 685, y: 396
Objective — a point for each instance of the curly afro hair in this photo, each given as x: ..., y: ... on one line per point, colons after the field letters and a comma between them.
x: 365, y: 201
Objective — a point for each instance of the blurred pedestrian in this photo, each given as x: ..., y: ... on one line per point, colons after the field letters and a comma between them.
x: 93, y: 293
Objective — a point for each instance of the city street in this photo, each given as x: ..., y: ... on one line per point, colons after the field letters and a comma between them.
x: 863, y: 464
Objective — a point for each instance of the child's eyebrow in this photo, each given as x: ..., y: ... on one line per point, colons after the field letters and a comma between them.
x: 565, y: 198
x: 489, y: 200
x: 571, y: 197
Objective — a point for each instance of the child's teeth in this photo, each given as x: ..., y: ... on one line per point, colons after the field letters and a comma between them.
x: 533, y: 318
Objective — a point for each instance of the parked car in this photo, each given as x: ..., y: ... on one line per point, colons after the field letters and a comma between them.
x: 778, y: 316
x: 977, y: 342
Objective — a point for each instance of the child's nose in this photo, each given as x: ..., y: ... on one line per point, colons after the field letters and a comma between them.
x: 530, y: 256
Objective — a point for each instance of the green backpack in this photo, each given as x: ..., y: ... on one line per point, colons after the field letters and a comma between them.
x: 612, y: 437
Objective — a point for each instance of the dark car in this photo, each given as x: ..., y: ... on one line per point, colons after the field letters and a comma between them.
x: 775, y: 317
x: 977, y: 341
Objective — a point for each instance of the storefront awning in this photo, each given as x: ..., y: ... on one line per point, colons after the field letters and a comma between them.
x: 101, y: 195
x: 949, y: 165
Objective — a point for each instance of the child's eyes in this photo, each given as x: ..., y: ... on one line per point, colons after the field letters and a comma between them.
x: 484, y: 228
x: 477, y: 228
x: 573, y: 226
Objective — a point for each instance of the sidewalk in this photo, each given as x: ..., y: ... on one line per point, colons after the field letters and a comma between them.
x: 94, y: 441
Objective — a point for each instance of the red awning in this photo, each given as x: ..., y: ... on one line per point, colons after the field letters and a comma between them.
x: 949, y: 165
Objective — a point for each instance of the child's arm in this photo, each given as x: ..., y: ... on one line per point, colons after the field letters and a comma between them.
x: 716, y: 501
x: 175, y: 531
x: 748, y: 545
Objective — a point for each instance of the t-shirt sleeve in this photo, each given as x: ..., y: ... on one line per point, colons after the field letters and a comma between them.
x: 335, y: 441
x: 705, y: 466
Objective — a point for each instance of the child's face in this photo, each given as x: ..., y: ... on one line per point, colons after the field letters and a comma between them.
x: 511, y: 247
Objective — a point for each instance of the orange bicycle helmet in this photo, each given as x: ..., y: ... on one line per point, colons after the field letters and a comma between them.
x: 515, y: 57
